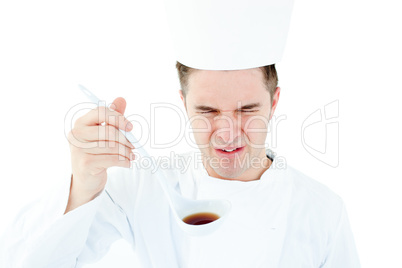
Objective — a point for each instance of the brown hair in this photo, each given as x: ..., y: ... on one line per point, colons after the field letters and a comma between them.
x: 269, y: 71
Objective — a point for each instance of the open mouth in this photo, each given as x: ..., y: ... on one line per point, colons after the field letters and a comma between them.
x: 229, y: 151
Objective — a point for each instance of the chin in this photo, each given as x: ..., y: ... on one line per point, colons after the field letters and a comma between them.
x: 228, y: 174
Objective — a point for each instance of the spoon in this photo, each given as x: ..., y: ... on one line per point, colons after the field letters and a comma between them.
x: 181, y: 206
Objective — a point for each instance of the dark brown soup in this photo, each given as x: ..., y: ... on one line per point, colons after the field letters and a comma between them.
x: 200, y: 218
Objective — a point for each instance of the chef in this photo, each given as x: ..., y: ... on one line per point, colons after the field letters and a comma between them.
x: 226, y: 53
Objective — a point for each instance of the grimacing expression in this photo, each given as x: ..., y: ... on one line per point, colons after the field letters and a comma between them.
x: 229, y: 113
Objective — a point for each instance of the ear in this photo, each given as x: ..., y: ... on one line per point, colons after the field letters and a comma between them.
x: 183, y: 99
x: 275, y: 100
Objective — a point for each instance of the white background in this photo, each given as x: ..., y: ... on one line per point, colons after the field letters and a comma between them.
x: 346, y: 51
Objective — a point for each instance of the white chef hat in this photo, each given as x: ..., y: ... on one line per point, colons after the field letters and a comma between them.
x: 228, y: 34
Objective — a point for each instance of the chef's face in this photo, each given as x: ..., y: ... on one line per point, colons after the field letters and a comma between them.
x: 229, y: 113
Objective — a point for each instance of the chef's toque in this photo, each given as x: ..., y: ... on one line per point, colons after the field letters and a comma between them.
x: 228, y: 34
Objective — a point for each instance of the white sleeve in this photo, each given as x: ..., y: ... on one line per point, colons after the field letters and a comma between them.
x: 342, y: 250
x: 41, y: 236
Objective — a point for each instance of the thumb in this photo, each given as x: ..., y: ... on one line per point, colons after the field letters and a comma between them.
x: 119, y: 105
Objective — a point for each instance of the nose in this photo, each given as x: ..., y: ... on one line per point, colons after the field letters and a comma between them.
x: 227, y: 129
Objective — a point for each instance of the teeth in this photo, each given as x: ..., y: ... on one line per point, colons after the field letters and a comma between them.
x: 228, y: 150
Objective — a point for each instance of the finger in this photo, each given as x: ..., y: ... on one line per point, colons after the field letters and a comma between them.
x: 109, y: 147
x: 100, y: 133
x: 80, y: 144
x: 103, y: 114
x: 97, y: 162
x: 119, y: 105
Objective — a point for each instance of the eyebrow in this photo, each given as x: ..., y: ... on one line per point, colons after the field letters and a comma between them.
x: 244, y: 107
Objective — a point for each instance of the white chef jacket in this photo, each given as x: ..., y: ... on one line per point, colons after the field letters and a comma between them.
x: 284, y: 219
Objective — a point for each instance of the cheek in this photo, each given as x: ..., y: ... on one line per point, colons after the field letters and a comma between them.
x: 256, y: 128
x: 201, y: 129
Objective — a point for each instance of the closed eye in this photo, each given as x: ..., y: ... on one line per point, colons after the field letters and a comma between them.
x: 207, y: 112
x: 247, y: 111
x: 240, y: 111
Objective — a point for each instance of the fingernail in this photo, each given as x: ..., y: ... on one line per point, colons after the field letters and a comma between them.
x: 112, y: 107
x: 129, y: 126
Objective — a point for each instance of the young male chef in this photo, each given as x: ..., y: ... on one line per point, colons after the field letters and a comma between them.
x: 226, y: 51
